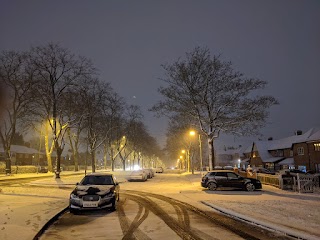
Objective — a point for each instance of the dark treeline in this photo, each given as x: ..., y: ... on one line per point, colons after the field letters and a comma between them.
x: 51, y: 91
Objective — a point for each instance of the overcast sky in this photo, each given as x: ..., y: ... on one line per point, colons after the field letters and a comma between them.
x: 276, y: 41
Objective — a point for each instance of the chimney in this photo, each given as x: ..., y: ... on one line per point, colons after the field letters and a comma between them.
x: 298, y: 132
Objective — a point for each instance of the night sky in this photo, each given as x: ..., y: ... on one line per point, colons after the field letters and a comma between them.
x: 276, y: 41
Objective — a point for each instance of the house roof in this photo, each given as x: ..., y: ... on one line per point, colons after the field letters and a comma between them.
x: 262, y: 147
x: 248, y: 149
x: 315, y: 136
x: 285, y: 143
x: 287, y: 161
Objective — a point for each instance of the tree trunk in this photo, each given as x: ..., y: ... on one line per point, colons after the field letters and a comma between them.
x: 112, y: 159
x: 211, y: 154
x: 105, y: 154
x: 93, y: 163
x: 59, y: 153
x: 124, y: 164
x: 75, y: 151
x: 48, y: 153
x: 8, y: 161
x: 76, y: 160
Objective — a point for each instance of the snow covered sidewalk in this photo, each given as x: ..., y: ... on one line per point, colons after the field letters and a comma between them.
x: 286, y: 211
x: 25, y: 210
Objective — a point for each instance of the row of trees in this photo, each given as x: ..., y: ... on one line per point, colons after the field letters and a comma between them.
x: 204, y: 93
x: 58, y: 94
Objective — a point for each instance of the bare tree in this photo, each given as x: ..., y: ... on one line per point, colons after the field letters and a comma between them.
x: 74, y: 113
x: 95, y: 101
x: 56, y: 70
x: 113, y: 122
x: 17, y: 79
x: 208, y: 90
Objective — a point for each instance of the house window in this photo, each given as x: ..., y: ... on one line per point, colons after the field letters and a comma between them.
x: 291, y: 153
x: 279, y: 153
x: 300, y: 151
x: 317, y: 146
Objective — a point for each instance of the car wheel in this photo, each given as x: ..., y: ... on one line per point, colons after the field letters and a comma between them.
x: 114, y: 205
x: 250, y: 187
x: 73, y: 211
x: 212, y: 186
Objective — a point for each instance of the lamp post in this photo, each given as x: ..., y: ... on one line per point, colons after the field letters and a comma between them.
x: 193, y: 133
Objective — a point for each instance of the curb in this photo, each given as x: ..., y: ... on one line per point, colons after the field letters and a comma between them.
x: 50, y: 222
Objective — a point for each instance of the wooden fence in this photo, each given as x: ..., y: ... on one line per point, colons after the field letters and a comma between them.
x: 302, y: 183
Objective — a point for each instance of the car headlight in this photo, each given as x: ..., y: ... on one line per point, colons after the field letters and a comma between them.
x: 73, y: 196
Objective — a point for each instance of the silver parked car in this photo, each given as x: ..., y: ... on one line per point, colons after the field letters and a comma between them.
x: 138, y: 175
x: 150, y: 172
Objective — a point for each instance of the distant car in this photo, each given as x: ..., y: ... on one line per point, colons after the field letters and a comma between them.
x: 159, y: 170
x: 229, y: 179
x: 263, y: 170
x: 42, y: 169
x: 296, y: 171
x: 218, y: 168
x: 292, y: 172
x: 138, y: 175
x: 149, y: 171
x: 95, y: 191
x: 228, y: 168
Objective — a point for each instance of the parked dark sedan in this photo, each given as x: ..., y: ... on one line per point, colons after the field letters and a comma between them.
x: 229, y: 179
x: 95, y: 191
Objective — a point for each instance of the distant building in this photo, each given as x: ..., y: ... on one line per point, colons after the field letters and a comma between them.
x: 22, y: 155
x: 229, y: 156
x: 301, y: 151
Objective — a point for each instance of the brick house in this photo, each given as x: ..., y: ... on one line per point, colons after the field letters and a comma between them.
x: 22, y: 155
x: 307, y: 154
x: 301, y: 151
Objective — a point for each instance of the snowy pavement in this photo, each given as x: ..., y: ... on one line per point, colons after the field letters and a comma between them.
x: 25, y: 210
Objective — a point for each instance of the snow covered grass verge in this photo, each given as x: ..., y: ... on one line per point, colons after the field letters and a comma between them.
x: 285, y: 230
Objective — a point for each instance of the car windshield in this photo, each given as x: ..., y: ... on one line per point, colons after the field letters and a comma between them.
x: 97, y: 180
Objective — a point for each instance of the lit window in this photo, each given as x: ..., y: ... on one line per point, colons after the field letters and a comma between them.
x: 300, y: 151
x: 317, y: 146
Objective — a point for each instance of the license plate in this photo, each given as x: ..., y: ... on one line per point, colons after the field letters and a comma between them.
x: 90, y: 204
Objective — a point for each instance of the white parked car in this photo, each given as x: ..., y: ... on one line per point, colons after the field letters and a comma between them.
x: 138, y: 175
x: 159, y: 170
x: 150, y: 172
